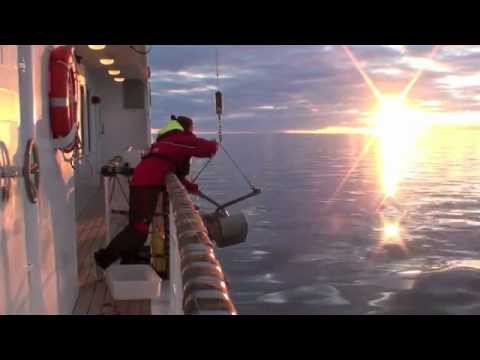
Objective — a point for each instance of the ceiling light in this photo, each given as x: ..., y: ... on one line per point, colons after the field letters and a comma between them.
x: 107, y: 61
x: 97, y: 47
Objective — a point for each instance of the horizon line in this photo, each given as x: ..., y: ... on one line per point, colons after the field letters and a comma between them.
x: 328, y: 130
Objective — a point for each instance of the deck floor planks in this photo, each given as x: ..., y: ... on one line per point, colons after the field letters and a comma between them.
x: 94, y: 297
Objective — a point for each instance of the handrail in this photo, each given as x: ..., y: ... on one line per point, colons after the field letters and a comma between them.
x: 204, y: 286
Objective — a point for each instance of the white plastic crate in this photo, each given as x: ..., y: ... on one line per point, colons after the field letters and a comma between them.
x: 133, y: 282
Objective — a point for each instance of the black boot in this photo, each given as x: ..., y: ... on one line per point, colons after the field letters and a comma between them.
x: 102, y: 259
x: 139, y: 257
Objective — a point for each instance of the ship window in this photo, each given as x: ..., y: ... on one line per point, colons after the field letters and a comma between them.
x: 133, y: 94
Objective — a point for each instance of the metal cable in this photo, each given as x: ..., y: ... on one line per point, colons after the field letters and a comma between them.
x: 218, y: 73
x: 238, y: 167
x: 220, y: 137
x: 201, y: 170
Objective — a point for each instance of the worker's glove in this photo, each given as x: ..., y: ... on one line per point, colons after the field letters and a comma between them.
x: 192, y: 188
x: 195, y: 190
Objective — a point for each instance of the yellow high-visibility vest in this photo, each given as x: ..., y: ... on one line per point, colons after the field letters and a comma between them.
x: 171, y: 125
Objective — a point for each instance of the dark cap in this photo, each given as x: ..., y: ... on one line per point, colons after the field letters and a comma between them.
x: 185, y: 121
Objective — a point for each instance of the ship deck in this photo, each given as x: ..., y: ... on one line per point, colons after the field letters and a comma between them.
x: 94, y: 297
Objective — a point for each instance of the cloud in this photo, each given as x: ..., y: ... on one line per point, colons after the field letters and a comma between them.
x: 287, y: 87
x: 402, y: 49
x: 459, y: 81
x: 424, y: 63
x: 189, y: 91
x: 419, y: 50
x: 390, y: 71
x: 185, y: 76
x: 269, y: 107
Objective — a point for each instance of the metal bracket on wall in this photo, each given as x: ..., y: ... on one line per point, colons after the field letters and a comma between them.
x: 10, y: 172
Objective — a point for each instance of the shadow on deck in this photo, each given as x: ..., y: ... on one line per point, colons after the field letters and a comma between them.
x: 94, y: 297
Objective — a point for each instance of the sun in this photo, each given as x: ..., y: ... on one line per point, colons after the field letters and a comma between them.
x: 397, y: 123
x: 395, y: 115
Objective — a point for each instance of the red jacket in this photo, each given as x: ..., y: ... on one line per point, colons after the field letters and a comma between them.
x: 172, y: 153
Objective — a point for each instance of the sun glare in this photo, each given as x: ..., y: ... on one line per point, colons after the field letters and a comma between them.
x: 395, y: 118
x: 391, y: 230
x: 397, y: 125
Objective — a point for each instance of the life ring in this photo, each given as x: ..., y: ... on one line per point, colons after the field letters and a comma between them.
x: 64, y: 98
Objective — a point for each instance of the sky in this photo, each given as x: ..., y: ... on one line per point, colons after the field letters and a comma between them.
x: 278, y: 88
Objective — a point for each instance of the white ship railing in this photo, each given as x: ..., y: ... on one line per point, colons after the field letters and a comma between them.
x: 197, y: 282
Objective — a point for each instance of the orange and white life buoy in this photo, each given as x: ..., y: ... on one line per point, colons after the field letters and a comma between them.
x: 64, y: 98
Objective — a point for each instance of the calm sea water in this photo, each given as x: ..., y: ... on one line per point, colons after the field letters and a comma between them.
x: 323, y: 239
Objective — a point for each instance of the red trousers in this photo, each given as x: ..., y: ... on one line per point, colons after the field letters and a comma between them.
x: 143, y: 203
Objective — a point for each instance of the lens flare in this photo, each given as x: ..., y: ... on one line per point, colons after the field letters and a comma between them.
x: 397, y: 125
x: 391, y: 230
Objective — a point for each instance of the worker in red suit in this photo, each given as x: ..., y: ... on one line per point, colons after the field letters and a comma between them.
x: 171, y: 152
